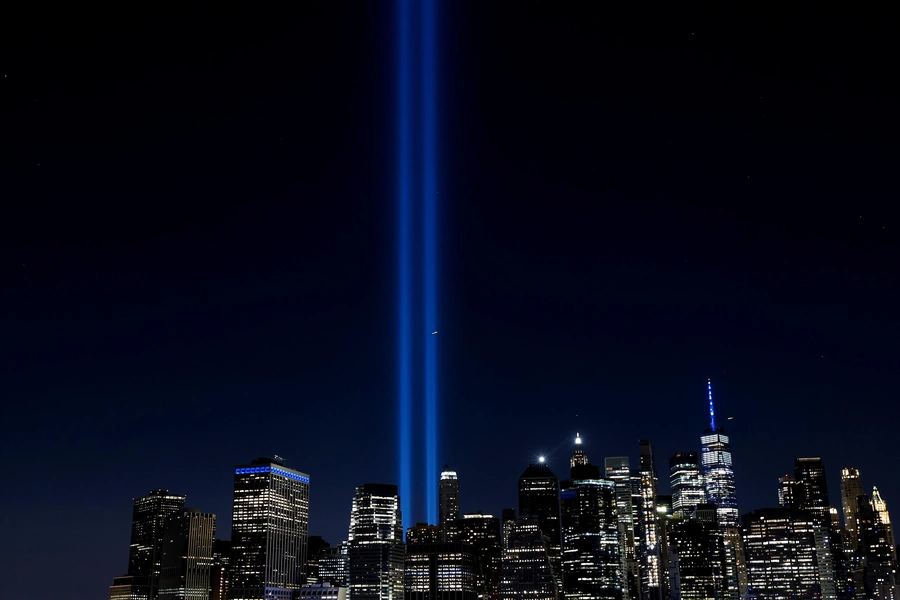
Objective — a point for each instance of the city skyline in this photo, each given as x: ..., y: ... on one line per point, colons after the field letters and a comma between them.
x: 199, y: 235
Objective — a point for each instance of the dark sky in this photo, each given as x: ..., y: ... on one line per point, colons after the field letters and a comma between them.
x: 197, y: 251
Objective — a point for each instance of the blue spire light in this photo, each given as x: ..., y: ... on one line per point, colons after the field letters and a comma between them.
x: 712, y: 412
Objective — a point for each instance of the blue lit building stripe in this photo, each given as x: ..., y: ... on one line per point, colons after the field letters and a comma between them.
x: 275, y: 470
x: 404, y: 256
x: 428, y: 113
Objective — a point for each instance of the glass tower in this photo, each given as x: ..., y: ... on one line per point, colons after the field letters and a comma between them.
x: 526, y: 571
x: 718, y: 470
x: 809, y: 474
x: 269, y: 526
x: 187, y: 558
x: 148, y: 524
x: 648, y: 526
x: 851, y: 490
x: 688, y: 484
x: 449, y: 504
x: 539, y: 498
x: 375, y: 548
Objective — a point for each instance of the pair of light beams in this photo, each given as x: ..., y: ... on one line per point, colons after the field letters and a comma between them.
x: 416, y: 134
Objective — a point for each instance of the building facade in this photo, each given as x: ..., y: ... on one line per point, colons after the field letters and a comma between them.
x: 187, y: 558
x: 526, y: 572
x: 148, y: 524
x: 687, y: 483
x: 269, y: 528
x: 375, y: 551
x: 448, y: 494
x: 442, y: 571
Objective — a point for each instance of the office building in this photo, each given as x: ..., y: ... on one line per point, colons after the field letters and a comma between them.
x: 314, y: 545
x: 877, y: 576
x: 508, y: 523
x: 423, y: 533
x: 591, y: 560
x: 148, y: 522
x: 687, y: 483
x: 648, y: 526
x: 333, y: 565
x: 718, y: 471
x: 219, y: 576
x: 442, y: 571
x: 780, y: 549
x: 526, y: 571
x: 618, y: 470
x: 695, y: 560
x: 539, y: 498
x: 126, y: 588
x: 851, y: 489
x: 375, y: 549
x: 269, y: 528
x: 482, y: 532
x: 187, y: 556
x: 448, y: 493
x: 812, y: 487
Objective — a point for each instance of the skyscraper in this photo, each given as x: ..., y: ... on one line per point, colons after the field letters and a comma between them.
x: 526, y: 571
x: 269, y: 527
x: 788, y: 494
x: 695, y: 560
x: 333, y: 565
x: 375, y: 547
x: 884, y: 518
x: 482, y: 532
x: 591, y: 553
x: 187, y: 556
x: 878, y: 575
x: 718, y: 470
x: 780, y: 547
x: 539, y: 498
x: 648, y: 526
x: 810, y: 476
x: 618, y: 470
x: 449, y: 504
x: 442, y: 571
x: 148, y: 524
x: 851, y: 489
x: 688, y: 485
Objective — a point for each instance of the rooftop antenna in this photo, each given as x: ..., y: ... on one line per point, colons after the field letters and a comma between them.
x: 712, y: 412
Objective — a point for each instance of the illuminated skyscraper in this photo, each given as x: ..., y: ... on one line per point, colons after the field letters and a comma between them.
x: 695, y: 560
x: 688, y: 485
x: 526, y: 570
x: 375, y: 547
x: 884, y: 519
x: 508, y: 523
x: 788, y: 494
x: 269, y: 526
x: 780, y: 547
x: 618, y: 470
x: 449, y: 500
x: 648, y: 526
x: 591, y: 553
x: 879, y: 578
x: 482, y: 532
x: 539, y: 498
x: 718, y: 471
x: 187, y: 557
x: 851, y: 489
x: 810, y: 476
x: 148, y: 524
x: 333, y: 565
x: 443, y: 571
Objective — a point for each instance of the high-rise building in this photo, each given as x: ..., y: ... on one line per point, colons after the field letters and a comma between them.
x: 591, y: 553
x: 269, y: 528
x: 442, y: 571
x: 375, y: 548
x: 449, y: 504
x: 884, y: 518
x: 813, y: 488
x: 219, y: 575
x: 482, y: 532
x: 526, y: 570
x: 423, y: 533
x: 148, y: 524
x: 187, y: 556
x: 314, y: 545
x: 695, y: 558
x: 780, y: 547
x: 851, y: 489
x: 648, y: 526
x: 718, y: 470
x: 508, y: 523
x: 688, y: 485
x: 618, y: 470
x: 539, y: 498
x: 126, y: 588
x: 877, y: 577
x: 333, y: 565
x: 789, y: 495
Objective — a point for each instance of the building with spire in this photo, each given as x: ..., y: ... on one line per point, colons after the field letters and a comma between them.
x: 592, y: 563
x: 539, y: 498
x: 718, y: 470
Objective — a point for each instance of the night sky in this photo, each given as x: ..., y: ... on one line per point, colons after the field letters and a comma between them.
x: 197, y: 233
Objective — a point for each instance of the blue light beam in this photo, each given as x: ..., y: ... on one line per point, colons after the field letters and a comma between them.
x: 712, y: 413
x: 404, y: 257
x: 428, y: 115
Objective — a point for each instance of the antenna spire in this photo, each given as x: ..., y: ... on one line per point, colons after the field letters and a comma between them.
x: 712, y: 412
